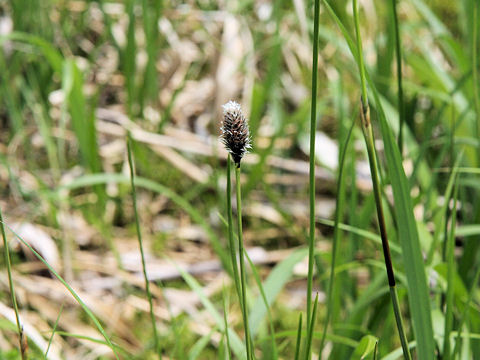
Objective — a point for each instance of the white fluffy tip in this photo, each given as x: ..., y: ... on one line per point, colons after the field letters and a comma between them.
x: 231, y: 107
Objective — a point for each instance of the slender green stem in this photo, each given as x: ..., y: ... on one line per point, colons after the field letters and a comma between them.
x: 53, y: 331
x: 399, y: 320
x: 370, y: 144
x: 361, y: 66
x: 225, y: 318
x: 336, y: 234
x: 450, y: 260
x: 313, y: 128
x: 8, y: 262
x: 231, y: 240
x: 299, y: 338
x: 475, y: 69
x: 248, y: 341
x: 311, y: 326
x: 140, y: 243
x: 398, y: 50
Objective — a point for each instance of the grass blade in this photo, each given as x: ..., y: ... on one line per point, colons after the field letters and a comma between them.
x: 237, y: 346
x: 274, y: 283
x: 140, y: 244
x: 265, y: 302
x: 336, y: 234
x: 408, y: 235
x: 299, y: 338
x: 308, y: 346
x: 450, y: 260
x: 13, y: 298
x: 313, y: 128
x: 72, y: 292
x: 53, y: 331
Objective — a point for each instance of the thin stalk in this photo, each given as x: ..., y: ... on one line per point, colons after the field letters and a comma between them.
x: 313, y: 128
x: 248, y: 341
x: 336, y: 234
x: 398, y: 52
x: 311, y: 326
x: 231, y: 240
x: 21, y: 337
x: 274, y: 351
x: 140, y: 244
x: 475, y: 70
x: 370, y: 144
x: 299, y: 338
x: 225, y: 319
x: 450, y: 260
x: 53, y: 332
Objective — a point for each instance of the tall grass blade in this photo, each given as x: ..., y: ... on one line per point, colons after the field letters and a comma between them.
x: 336, y: 235
x: 416, y: 281
x: 418, y: 294
x: 243, y: 275
x: 13, y: 298
x: 398, y: 53
x: 374, y: 170
x: 311, y: 326
x: 298, y: 344
x: 225, y: 323
x: 451, y: 269
x: 140, y: 244
x: 313, y: 129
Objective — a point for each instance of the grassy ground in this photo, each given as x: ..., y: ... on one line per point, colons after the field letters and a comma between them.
x: 79, y: 78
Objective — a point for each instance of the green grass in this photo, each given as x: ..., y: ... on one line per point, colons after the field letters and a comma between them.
x: 394, y: 84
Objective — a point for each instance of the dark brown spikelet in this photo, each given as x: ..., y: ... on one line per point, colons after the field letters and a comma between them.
x: 235, y: 133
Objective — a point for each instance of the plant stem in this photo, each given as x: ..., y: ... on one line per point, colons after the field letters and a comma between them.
x: 313, y: 128
x: 450, y: 260
x: 398, y: 51
x: 21, y: 339
x: 311, y: 326
x: 336, y: 234
x: 370, y: 144
x: 248, y: 341
x: 299, y: 338
x: 140, y: 243
x: 474, y: 68
x: 231, y: 240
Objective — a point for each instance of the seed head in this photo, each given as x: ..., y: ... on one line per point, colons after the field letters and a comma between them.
x: 235, y: 133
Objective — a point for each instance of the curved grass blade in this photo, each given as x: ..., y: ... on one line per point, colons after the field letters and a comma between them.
x: 71, y: 291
